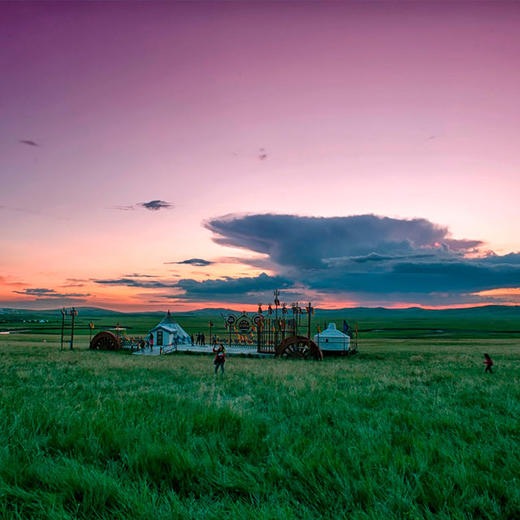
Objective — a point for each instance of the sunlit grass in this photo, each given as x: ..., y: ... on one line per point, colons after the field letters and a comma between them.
x: 407, y: 429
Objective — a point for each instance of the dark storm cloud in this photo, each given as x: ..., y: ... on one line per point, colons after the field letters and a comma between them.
x: 306, y: 242
x: 417, y: 278
x: 199, y: 262
x: 156, y: 205
x: 367, y: 254
x: 510, y: 259
x: 239, y: 289
x: 220, y: 288
x: 372, y: 257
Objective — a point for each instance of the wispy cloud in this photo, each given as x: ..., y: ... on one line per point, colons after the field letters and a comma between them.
x: 138, y: 275
x: 28, y: 142
x: 6, y: 281
x: 199, y: 262
x: 38, y: 293
x: 133, y: 282
x: 152, y: 205
x: 74, y: 282
x: 30, y: 211
x: 156, y: 205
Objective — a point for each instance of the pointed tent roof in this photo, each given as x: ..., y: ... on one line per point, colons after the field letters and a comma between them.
x: 168, y: 323
x: 167, y: 320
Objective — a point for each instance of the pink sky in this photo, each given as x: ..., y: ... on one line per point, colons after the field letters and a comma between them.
x: 397, y: 109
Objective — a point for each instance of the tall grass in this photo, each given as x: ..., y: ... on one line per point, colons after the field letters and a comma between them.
x: 405, y: 430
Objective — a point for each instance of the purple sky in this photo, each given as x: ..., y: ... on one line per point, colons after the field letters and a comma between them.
x: 403, y: 110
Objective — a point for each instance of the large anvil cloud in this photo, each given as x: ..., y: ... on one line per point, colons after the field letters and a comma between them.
x: 308, y: 242
x: 369, y: 255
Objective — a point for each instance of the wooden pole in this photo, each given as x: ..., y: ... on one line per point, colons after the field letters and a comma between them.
x: 228, y: 325
x: 62, y: 327
x: 73, y: 314
x: 309, y: 312
x: 276, y: 324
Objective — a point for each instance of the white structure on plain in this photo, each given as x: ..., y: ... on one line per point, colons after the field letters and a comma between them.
x: 333, y: 340
x: 169, y: 333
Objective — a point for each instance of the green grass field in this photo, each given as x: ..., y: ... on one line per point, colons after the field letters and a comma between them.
x: 409, y: 428
x: 481, y: 322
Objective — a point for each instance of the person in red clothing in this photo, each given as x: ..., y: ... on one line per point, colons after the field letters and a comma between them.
x: 220, y: 357
x: 489, y: 363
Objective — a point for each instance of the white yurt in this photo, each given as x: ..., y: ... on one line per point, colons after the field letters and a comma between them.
x: 169, y: 332
x: 332, y: 340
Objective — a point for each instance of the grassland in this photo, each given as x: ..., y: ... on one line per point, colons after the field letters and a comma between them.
x: 409, y: 428
x: 485, y: 322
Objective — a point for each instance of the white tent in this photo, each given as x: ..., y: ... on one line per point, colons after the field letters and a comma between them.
x: 169, y: 333
x: 332, y: 340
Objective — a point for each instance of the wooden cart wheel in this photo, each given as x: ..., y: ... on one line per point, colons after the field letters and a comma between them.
x: 299, y: 347
x: 105, y: 341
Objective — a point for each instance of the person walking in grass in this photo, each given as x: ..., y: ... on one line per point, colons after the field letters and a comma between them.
x: 489, y: 363
x: 220, y: 358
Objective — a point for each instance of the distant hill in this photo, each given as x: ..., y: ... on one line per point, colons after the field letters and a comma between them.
x: 505, y: 311
x: 414, y: 322
x: 91, y: 311
x: 419, y: 312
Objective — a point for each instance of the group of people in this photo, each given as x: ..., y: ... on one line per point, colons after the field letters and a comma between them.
x: 201, y: 339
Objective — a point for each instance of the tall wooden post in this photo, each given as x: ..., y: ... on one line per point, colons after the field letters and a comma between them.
x: 284, y: 320
x: 294, y: 308
x: 73, y: 314
x: 276, y: 324
x: 62, y: 327
x: 309, y: 313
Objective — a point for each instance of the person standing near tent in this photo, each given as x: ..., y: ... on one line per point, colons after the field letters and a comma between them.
x: 220, y: 358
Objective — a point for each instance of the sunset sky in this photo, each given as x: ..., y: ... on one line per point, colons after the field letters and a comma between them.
x: 188, y: 155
